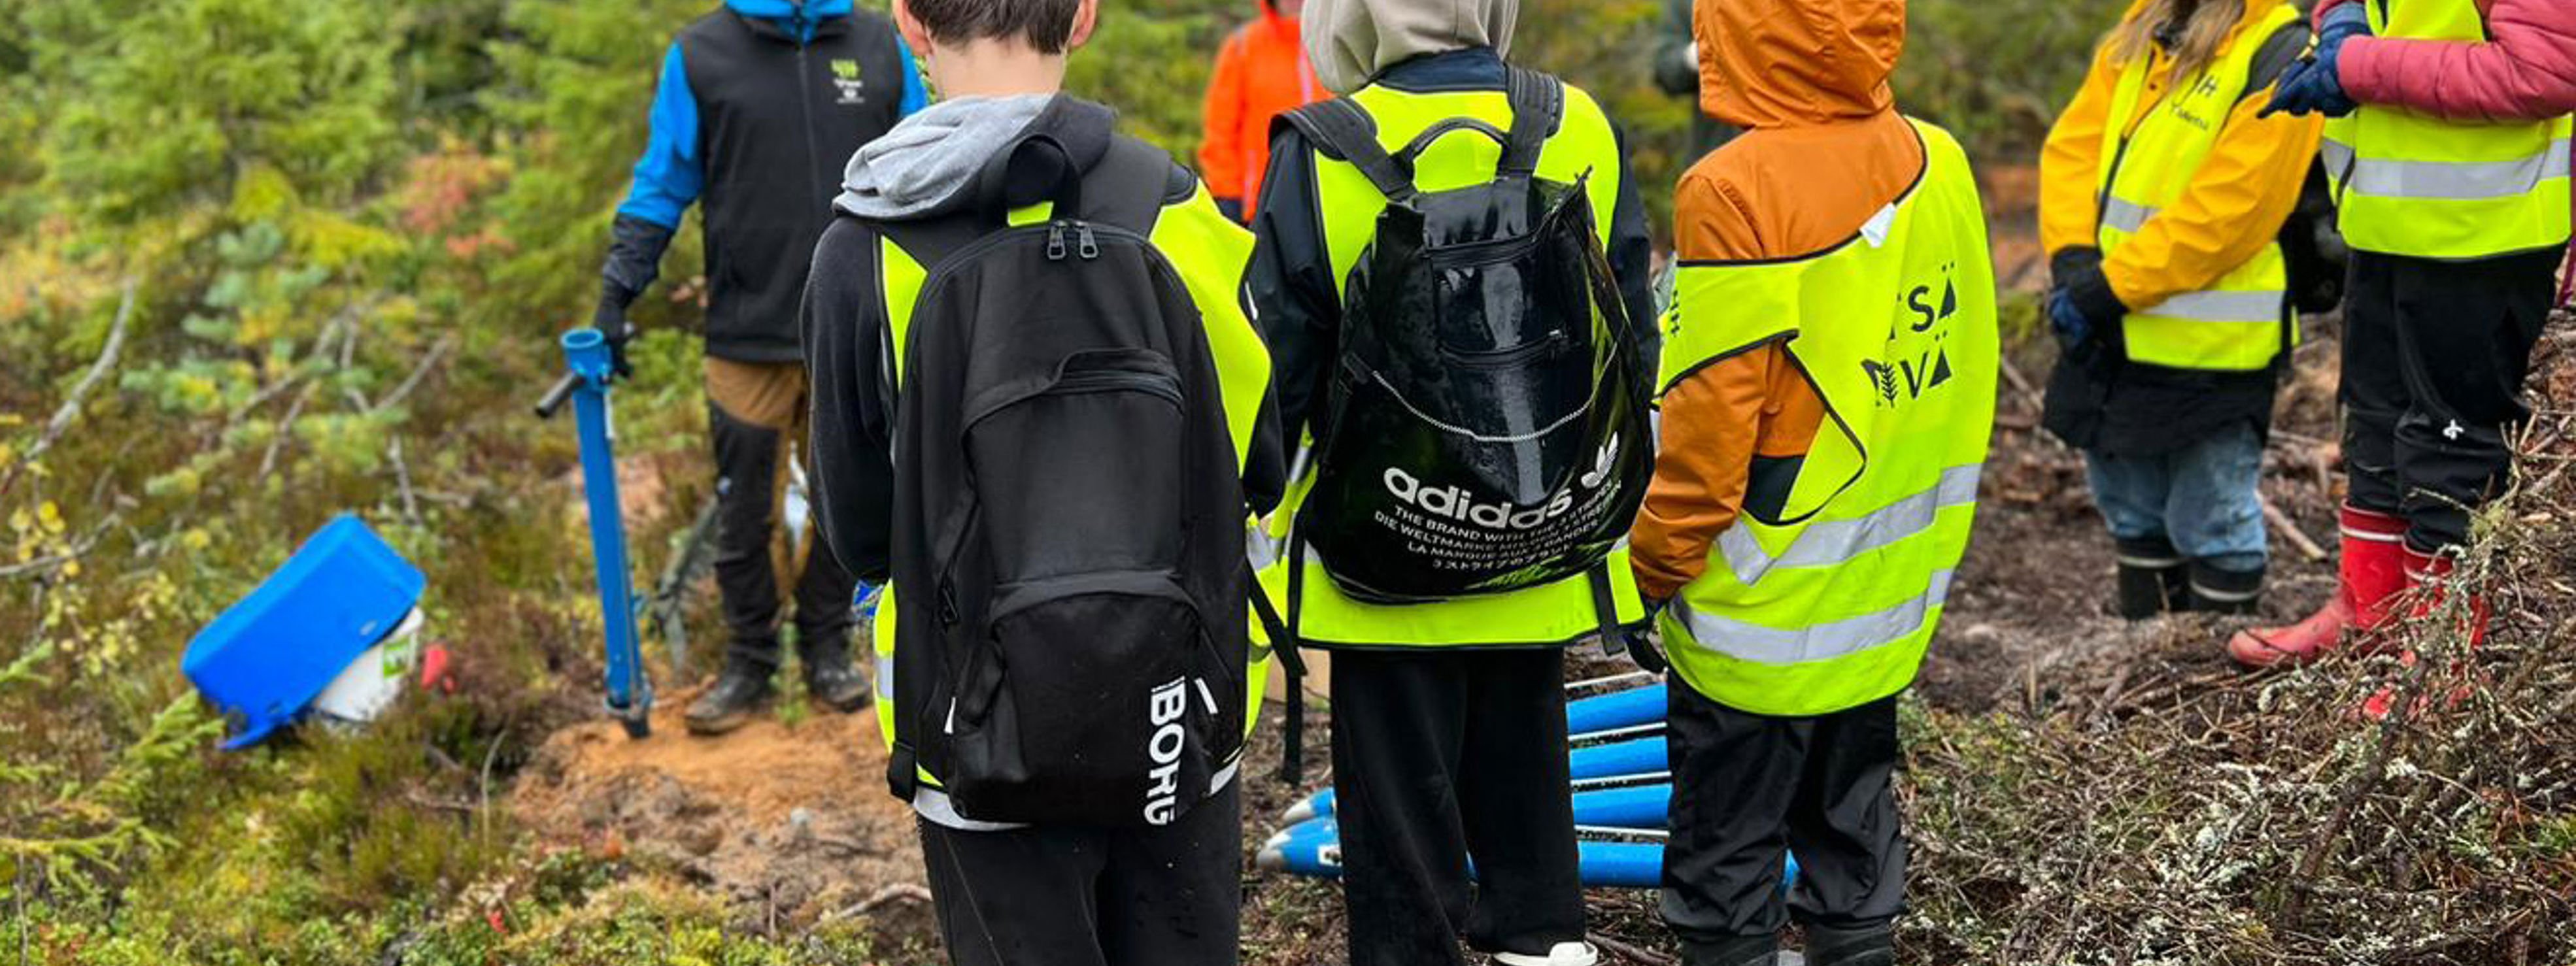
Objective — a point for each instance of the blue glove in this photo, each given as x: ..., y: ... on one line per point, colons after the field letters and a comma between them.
x: 2067, y: 320
x: 863, y: 604
x: 2314, y: 85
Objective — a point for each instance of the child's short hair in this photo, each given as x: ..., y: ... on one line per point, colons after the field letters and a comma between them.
x: 1046, y: 24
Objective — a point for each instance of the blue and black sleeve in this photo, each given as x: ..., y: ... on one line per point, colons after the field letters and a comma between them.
x: 668, y: 179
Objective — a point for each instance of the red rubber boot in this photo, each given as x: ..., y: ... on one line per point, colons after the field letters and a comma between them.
x: 2371, y: 572
x: 2428, y: 578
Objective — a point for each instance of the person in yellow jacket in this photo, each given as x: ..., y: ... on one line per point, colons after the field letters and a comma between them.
x: 1828, y: 391
x: 2162, y: 199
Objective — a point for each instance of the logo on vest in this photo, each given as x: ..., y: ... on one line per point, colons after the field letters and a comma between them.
x: 1164, y: 708
x: 1913, y: 371
x: 846, y: 80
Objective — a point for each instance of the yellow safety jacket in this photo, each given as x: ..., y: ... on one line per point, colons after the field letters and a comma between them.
x: 1209, y: 251
x: 2243, y: 321
x: 1584, y: 144
x: 1830, y: 605
x: 2416, y: 185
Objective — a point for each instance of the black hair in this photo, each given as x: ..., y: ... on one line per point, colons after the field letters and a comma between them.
x: 1046, y: 24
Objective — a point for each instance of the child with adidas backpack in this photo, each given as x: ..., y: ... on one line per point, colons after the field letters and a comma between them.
x: 1043, y: 417
x: 1452, y: 273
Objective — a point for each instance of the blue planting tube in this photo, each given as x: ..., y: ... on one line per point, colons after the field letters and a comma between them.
x: 630, y: 693
x: 1619, y: 709
x: 1315, y: 850
x: 1640, y: 757
x: 1639, y: 807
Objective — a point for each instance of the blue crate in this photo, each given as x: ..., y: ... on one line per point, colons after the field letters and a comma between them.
x: 264, y: 659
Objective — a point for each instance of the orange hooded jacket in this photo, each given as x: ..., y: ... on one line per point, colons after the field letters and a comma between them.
x: 1823, y: 151
x: 2237, y: 200
x: 1261, y: 72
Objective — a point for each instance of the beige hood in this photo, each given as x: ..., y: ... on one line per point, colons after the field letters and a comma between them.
x: 1350, y: 41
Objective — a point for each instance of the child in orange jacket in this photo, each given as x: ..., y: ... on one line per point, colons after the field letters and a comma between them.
x: 1261, y: 73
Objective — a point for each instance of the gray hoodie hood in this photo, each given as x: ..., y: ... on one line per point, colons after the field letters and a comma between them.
x: 1350, y: 41
x: 923, y: 166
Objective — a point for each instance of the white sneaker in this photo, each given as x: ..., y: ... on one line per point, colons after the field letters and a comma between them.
x: 1565, y: 954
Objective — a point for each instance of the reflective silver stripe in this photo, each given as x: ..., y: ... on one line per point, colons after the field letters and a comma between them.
x: 2228, y: 596
x: 933, y: 806
x: 885, y: 677
x: 2447, y: 180
x: 2249, y: 307
x: 1770, y: 645
x: 2151, y: 563
x: 1833, y: 542
x: 2119, y: 215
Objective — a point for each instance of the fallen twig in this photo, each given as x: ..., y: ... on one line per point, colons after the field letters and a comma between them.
x: 70, y: 410
x: 2289, y: 530
x: 1632, y: 953
x: 285, y: 429
x: 898, y: 892
x: 437, y: 353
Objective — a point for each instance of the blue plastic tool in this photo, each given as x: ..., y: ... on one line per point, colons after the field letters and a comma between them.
x: 1634, y: 759
x: 586, y: 352
x: 264, y: 658
x: 1616, y: 710
x: 1607, y: 861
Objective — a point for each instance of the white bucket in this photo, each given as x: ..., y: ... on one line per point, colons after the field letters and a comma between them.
x: 370, y: 684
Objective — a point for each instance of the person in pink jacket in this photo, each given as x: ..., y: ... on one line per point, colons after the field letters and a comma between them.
x: 2452, y: 176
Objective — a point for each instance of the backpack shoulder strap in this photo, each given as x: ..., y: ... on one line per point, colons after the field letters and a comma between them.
x: 1538, y: 102
x: 1130, y: 185
x: 1342, y: 130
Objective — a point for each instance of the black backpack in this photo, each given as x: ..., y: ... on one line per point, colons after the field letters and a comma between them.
x: 1485, y: 427
x: 1070, y: 567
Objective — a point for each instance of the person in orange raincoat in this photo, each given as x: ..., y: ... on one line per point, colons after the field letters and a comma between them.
x: 1824, y: 168
x: 1261, y: 73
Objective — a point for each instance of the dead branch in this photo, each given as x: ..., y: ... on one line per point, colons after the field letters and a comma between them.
x: 898, y: 892
x: 1632, y: 953
x: 402, y: 481
x: 2289, y: 530
x: 285, y: 429
x: 437, y: 354
x: 70, y: 410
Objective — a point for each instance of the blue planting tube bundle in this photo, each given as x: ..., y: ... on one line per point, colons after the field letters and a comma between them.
x: 1589, y: 763
x: 1607, y: 859
x: 1637, y: 759
x: 630, y: 693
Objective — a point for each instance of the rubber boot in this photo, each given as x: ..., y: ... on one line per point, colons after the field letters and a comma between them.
x: 1865, y: 946
x: 742, y: 691
x: 1761, y: 950
x: 831, y: 678
x: 2216, y: 590
x: 2428, y: 577
x: 2371, y: 572
x: 2152, y: 579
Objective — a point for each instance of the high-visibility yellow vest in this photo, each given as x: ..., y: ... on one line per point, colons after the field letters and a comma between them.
x: 1831, y: 605
x: 1584, y: 145
x: 2243, y: 321
x: 2416, y: 185
x: 1209, y: 251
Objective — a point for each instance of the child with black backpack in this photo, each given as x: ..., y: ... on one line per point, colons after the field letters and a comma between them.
x: 1452, y: 272
x: 1041, y: 414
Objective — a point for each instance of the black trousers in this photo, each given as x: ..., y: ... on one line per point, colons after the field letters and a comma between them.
x: 753, y: 411
x: 1748, y: 788
x: 2434, y: 355
x: 1169, y: 896
x: 1439, y: 756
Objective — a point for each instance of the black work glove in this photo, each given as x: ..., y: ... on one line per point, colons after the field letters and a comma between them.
x: 635, y: 249
x: 2083, y: 302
